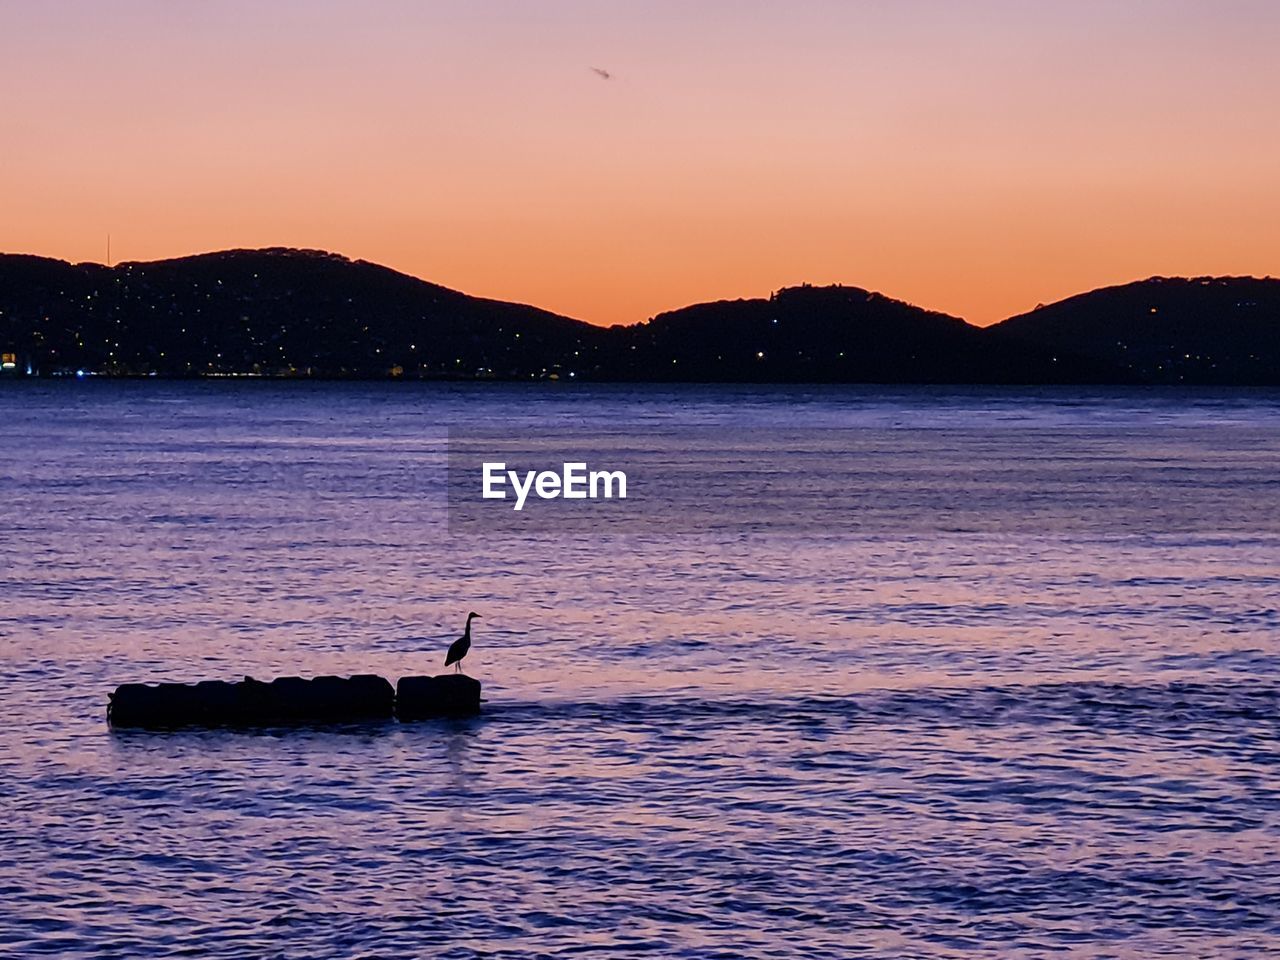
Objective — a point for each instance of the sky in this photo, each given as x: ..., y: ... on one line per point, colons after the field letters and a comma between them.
x: 972, y: 157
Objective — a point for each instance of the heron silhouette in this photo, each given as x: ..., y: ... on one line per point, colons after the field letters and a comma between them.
x: 458, y: 649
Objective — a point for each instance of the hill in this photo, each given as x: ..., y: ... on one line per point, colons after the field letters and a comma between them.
x: 275, y: 312
x: 833, y: 334
x: 1203, y: 330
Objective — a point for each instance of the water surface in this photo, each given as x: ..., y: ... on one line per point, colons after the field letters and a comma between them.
x: 1014, y: 696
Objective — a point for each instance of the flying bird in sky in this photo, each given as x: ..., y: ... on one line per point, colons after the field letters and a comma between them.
x: 602, y: 74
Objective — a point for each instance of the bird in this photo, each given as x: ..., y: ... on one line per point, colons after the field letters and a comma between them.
x: 458, y: 649
x: 602, y: 73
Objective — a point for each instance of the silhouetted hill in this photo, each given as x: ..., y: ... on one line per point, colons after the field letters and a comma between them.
x: 274, y: 311
x: 834, y: 334
x: 1206, y: 330
x: 282, y: 312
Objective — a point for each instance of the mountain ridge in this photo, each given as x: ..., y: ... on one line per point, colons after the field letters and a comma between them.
x: 1207, y: 330
x: 281, y: 312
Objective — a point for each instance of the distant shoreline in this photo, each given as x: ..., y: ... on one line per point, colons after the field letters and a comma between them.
x: 571, y: 386
x: 287, y: 314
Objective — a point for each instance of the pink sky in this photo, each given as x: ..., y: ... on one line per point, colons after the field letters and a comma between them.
x: 971, y: 157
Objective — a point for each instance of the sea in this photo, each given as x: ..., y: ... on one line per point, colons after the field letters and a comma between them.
x: 886, y: 672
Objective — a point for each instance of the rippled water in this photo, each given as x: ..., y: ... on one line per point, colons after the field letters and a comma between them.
x: 1020, y: 702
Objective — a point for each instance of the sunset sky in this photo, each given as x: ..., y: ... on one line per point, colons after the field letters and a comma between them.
x: 970, y: 157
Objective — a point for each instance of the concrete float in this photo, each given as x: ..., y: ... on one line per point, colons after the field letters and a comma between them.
x: 447, y: 695
x: 291, y: 700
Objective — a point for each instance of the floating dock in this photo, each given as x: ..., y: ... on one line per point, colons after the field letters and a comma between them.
x: 292, y: 700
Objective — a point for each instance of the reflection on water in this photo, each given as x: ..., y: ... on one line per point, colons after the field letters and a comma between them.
x: 779, y: 742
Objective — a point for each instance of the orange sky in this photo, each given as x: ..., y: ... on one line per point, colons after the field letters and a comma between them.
x: 971, y: 157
